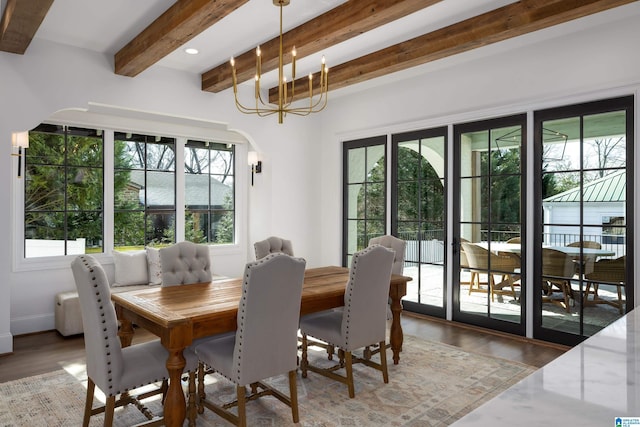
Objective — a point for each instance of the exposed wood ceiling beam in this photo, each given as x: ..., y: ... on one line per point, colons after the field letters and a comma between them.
x: 337, y: 25
x: 513, y: 20
x: 20, y: 21
x: 176, y: 26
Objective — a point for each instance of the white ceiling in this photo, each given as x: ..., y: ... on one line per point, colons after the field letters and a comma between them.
x: 106, y: 26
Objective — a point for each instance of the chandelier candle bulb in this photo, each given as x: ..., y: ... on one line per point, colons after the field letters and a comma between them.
x: 293, y: 65
x: 233, y: 73
x: 258, y: 61
x: 284, y: 84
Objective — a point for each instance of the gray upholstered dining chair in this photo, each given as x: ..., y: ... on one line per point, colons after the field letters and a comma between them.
x: 398, y: 246
x: 265, y: 342
x: 272, y: 245
x: 361, y: 322
x: 185, y: 263
x: 114, y: 369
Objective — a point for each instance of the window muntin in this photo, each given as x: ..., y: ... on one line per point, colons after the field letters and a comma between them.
x: 209, y: 192
x: 64, y: 192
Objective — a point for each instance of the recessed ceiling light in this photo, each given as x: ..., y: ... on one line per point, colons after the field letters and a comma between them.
x: 191, y: 51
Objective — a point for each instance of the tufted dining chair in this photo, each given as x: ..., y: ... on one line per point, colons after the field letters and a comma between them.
x: 272, y: 245
x: 398, y: 246
x: 265, y: 342
x: 114, y: 369
x: 361, y: 322
x: 185, y: 263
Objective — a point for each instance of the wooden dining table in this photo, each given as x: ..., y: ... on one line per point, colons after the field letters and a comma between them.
x: 181, y: 314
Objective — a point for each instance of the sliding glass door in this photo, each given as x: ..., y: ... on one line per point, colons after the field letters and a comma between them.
x: 489, y: 244
x: 584, y: 189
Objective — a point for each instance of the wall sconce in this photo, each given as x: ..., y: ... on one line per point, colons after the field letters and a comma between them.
x: 20, y: 140
x: 256, y: 165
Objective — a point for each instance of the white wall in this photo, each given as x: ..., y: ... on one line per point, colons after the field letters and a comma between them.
x: 53, y: 77
x: 298, y: 195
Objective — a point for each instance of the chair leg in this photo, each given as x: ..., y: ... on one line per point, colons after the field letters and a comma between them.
x: 383, y: 362
x: 191, y: 404
x: 349, y: 371
x: 165, y: 389
x: 620, y: 303
x: 304, y: 363
x: 473, y: 280
x: 201, y: 393
x: 110, y: 406
x: 242, y: 406
x: 293, y: 396
x: 88, y: 404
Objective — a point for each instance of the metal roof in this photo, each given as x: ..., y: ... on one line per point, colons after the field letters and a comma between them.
x: 610, y: 188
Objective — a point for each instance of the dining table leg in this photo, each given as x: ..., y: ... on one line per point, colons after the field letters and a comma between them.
x: 396, y: 335
x: 175, y: 403
x: 125, y: 332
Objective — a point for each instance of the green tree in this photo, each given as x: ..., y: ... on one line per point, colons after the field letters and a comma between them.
x: 64, y: 187
x: 224, y: 230
x: 503, y: 189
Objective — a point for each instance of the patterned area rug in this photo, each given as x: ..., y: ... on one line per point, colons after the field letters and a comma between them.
x: 434, y: 385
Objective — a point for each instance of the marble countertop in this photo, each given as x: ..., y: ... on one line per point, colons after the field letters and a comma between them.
x: 590, y: 385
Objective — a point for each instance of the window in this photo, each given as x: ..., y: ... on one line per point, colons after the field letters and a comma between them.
x: 144, y: 190
x: 613, y: 229
x: 209, y: 192
x: 64, y: 190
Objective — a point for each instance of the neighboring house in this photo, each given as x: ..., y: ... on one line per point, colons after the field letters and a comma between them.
x: 604, y: 207
x: 160, y: 193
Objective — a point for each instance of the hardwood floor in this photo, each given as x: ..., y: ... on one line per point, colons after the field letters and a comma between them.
x: 47, y: 351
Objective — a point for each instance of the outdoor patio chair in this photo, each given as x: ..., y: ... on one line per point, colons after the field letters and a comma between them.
x: 609, y: 272
x: 587, y: 266
x: 557, y: 271
x: 505, y: 264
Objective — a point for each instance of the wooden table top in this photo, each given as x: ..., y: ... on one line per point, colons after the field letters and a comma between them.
x: 212, y: 307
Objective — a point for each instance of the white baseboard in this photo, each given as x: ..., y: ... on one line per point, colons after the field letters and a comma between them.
x: 30, y: 324
x: 6, y: 343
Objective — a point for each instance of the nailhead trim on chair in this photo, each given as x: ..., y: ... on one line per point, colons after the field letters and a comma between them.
x: 348, y: 297
x: 99, y: 298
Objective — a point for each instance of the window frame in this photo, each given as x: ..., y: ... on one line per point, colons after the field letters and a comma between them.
x: 105, y: 123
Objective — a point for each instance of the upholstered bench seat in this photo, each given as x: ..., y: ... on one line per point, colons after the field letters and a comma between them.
x: 68, y: 318
x: 133, y: 270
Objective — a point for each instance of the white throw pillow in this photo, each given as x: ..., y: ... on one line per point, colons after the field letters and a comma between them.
x: 131, y: 268
x: 154, y: 267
